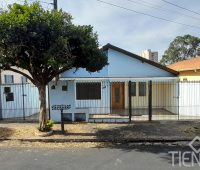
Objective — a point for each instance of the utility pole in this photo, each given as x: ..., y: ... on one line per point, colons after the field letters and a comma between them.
x: 55, y: 4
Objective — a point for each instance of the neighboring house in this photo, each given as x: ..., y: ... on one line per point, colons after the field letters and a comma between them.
x: 10, y: 77
x: 19, y: 97
x: 189, y: 86
x: 150, y: 55
x: 189, y: 70
x: 92, y: 95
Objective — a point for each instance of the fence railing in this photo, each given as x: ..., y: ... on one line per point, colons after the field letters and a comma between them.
x: 144, y: 100
x: 132, y: 100
x: 19, y: 101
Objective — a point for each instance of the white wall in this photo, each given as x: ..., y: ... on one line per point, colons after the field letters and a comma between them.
x: 16, y: 76
x: 189, y: 99
x: 164, y: 96
x: 137, y: 101
x: 171, y: 95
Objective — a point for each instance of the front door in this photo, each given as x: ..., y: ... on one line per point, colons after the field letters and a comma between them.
x: 117, y: 95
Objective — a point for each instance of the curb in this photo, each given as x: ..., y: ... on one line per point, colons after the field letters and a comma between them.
x: 102, y: 140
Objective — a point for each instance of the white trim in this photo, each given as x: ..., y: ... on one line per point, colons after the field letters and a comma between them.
x: 122, y: 79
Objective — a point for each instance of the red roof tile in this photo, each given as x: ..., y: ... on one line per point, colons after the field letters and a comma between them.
x: 185, y: 65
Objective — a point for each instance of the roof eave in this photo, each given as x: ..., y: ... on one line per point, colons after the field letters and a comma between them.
x: 110, y: 46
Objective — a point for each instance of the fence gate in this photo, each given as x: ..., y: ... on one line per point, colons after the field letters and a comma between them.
x: 19, y: 101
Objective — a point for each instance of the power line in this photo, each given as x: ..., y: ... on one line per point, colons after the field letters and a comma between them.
x: 164, y: 19
x: 181, y: 7
x: 154, y: 6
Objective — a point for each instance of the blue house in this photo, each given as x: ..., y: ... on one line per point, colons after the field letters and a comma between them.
x: 104, y: 96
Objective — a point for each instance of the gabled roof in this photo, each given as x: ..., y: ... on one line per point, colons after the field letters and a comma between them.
x: 186, y: 65
x: 144, y: 60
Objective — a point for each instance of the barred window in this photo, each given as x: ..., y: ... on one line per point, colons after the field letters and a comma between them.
x: 88, y: 91
x: 9, y: 97
x: 142, y: 88
x: 133, y: 88
x: 8, y: 79
x: 7, y: 89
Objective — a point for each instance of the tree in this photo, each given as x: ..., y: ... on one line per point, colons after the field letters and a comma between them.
x: 46, y: 43
x: 182, y: 48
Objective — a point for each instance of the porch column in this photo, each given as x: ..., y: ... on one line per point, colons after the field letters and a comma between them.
x: 150, y: 99
x: 130, y: 101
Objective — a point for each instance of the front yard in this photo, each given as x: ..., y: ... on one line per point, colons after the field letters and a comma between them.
x: 161, y: 129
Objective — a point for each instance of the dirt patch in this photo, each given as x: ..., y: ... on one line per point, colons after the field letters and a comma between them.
x: 162, y: 129
x: 6, y: 132
x: 194, y: 130
x: 68, y: 145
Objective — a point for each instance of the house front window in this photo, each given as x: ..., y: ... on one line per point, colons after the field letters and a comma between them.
x: 9, y: 97
x: 133, y: 88
x: 8, y: 79
x: 88, y: 91
x: 142, y: 88
x: 24, y: 79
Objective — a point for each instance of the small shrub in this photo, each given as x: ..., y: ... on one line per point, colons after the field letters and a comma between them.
x: 49, y: 124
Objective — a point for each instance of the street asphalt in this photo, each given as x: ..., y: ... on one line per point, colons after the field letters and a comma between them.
x: 139, y: 157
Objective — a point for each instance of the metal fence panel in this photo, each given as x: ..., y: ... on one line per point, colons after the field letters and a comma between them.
x: 116, y: 101
x: 19, y: 101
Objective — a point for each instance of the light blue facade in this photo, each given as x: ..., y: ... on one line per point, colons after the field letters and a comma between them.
x: 58, y: 97
x: 68, y: 97
x: 120, y: 66
x: 80, y: 73
x: 25, y: 101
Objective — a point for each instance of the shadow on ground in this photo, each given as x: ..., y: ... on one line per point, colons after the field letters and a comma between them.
x: 164, y: 151
x: 153, y: 129
x: 156, y: 129
x: 6, y: 132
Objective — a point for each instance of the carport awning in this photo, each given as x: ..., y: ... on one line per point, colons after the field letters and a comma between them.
x: 124, y: 79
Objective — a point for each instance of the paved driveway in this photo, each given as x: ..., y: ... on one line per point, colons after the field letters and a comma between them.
x: 136, y: 158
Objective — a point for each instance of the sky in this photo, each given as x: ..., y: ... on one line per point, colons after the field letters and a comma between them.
x: 129, y: 30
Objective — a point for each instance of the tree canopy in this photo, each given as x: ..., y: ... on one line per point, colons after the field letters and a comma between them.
x: 46, y: 43
x: 181, y: 48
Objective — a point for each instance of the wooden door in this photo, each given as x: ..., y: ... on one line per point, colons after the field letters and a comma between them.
x: 117, y: 95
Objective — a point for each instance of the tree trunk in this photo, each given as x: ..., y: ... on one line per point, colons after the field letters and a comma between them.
x: 42, y: 115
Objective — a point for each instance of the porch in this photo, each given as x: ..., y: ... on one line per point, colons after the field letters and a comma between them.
x: 122, y: 115
x: 128, y: 100
x: 125, y: 100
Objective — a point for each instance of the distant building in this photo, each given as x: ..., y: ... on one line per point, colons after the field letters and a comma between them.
x: 150, y: 55
x: 10, y: 77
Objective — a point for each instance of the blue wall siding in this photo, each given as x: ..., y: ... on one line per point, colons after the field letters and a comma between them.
x: 83, y: 73
x: 122, y: 65
x: 57, y: 97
